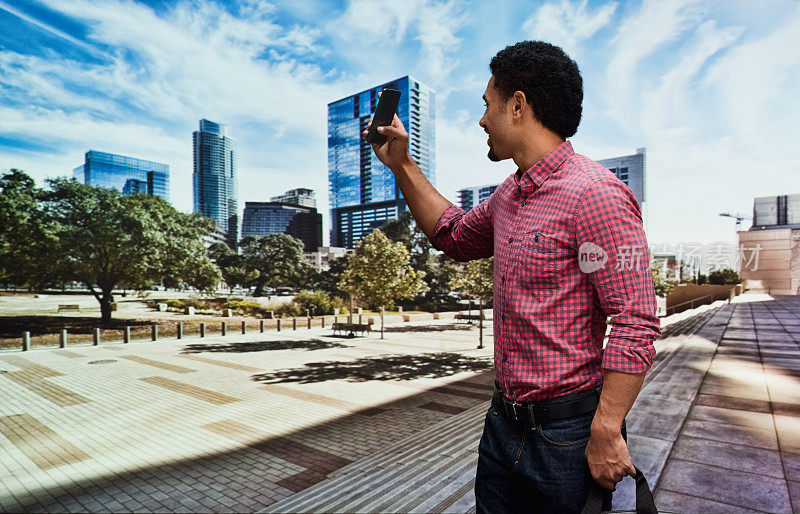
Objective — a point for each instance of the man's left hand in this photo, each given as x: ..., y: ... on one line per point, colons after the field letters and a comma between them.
x: 608, y: 457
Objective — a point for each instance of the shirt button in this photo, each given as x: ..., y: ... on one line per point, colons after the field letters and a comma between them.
x: 510, y: 240
x: 536, y: 238
x: 504, y: 279
x: 522, y: 203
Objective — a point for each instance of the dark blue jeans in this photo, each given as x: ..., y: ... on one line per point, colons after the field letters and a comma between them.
x: 541, y: 468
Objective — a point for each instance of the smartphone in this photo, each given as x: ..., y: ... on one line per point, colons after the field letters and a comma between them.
x: 384, y: 114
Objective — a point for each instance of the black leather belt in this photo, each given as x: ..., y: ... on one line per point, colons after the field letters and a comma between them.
x: 539, y: 413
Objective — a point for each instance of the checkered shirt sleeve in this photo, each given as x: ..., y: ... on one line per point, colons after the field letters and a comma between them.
x: 609, y: 217
x: 465, y: 235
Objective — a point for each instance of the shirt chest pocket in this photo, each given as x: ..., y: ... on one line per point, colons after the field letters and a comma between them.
x: 538, y: 263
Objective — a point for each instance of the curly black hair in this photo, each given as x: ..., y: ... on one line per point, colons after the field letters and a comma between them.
x: 550, y: 80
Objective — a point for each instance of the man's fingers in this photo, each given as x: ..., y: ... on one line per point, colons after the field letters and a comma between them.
x: 392, y: 131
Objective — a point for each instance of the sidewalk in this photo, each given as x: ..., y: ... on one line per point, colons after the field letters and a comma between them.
x: 221, y: 424
x: 278, y: 421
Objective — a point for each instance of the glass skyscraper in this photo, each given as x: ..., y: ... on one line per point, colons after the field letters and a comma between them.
x: 265, y: 218
x: 127, y: 174
x: 362, y: 191
x: 215, y: 187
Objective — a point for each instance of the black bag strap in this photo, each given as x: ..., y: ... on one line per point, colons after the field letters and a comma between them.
x: 644, y: 497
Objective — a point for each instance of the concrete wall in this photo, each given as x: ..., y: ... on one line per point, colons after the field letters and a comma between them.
x: 687, y: 292
x: 775, y: 268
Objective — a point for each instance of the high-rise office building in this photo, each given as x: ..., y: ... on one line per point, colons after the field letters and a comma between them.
x: 469, y: 197
x: 631, y: 169
x: 127, y: 174
x: 299, y: 196
x: 265, y: 218
x: 363, y: 192
x: 215, y: 187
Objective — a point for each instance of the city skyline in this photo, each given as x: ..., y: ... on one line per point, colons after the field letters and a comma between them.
x: 133, y: 78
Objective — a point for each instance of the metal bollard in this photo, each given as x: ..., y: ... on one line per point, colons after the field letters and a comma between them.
x: 244, y: 327
x: 154, y: 332
x: 202, y: 329
x: 294, y: 323
x: 96, y: 338
x: 179, y: 331
x: 26, y: 341
x: 261, y: 325
x: 309, y: 323
x: 224, y: 328
x: 359, y: 319
x: 279, y: 324
x: 323, y: 321
x: 126, y: 335
x: 62, y: 343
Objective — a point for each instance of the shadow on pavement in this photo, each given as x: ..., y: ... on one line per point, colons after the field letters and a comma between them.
x: 253, y: 476
x: 431, y: 328
x: 264, y: 346
x: 384, y: 367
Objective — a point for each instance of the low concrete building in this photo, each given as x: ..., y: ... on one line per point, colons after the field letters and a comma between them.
x: 769, y: 253
x: 322, y: 258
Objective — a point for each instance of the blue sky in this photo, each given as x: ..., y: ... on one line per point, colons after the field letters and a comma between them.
x: 708, y: 87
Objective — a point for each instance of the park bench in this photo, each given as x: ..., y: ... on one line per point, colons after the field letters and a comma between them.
x: 351, y: 328
x: 468, y: 318
x: 69, y: 307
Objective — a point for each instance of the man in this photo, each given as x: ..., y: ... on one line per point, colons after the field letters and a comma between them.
x: 570, y: 251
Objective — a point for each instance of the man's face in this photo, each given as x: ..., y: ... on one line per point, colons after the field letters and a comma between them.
x: 495, y: 122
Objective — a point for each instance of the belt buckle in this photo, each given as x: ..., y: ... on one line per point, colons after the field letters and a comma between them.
x: 513, y: 404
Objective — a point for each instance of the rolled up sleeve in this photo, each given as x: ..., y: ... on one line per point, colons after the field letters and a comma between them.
x: 608, y: 217
x: 465, y: 235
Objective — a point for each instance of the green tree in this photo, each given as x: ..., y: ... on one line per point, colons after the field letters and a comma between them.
x: 26, y: 238
x: 329, y: 279
x: 725, y: 276
x: 107, y: 240
x: 438, y: 268
x: 476, y: 279
x: 661, y: 285
x: 232, y: 265
x: 278, y: 259
x: 378, y: 273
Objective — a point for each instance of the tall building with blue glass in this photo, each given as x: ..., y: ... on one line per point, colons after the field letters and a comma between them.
x: 127, y: 174
x: 362, y: 191
x: 215, y: 187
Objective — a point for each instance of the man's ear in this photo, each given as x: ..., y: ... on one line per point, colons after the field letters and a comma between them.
x: 518, y: 104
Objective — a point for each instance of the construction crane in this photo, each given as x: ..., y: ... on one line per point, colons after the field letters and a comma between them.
x: 737, y: 217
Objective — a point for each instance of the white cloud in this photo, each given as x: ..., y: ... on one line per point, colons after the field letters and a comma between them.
x: 568, y: 24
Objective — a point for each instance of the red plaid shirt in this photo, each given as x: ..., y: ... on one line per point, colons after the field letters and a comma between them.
x: 549, y: 228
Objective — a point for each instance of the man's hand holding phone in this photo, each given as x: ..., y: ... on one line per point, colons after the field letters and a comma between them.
x: 393, y: 152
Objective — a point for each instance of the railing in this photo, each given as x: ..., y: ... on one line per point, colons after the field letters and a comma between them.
x: 699, y: 301
x: 154, y: 333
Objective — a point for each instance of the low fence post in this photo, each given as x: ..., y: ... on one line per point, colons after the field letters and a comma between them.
x: 154, y: 332
x: 202, y: 329
x: 179, y: 332
x: 26, y: 341
x: 261, y: 325
x: 279, y: 324
x: 244, y: 327
x: 323, y: 321
x: 294, y: 323
x: 359, y: 319
x: 126, y: 335
x: 224, y: 330
x: 96, y: 338
x: 309, y: 323
x: 62, y: 343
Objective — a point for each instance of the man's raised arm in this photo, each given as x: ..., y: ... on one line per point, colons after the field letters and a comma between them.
x: 462, y: 236
x: 424, y: 201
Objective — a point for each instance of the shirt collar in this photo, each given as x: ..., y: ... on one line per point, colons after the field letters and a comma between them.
x: 539, y: 172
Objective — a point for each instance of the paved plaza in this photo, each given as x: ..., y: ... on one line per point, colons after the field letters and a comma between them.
x: 303, y: 421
